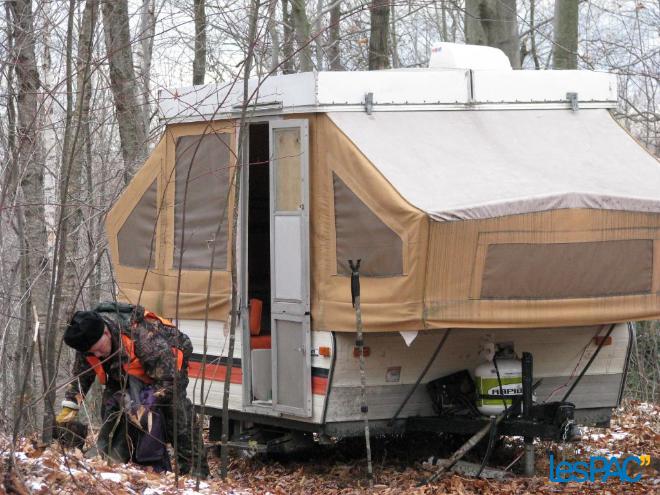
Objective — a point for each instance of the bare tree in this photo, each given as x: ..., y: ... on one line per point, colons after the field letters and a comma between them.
x: 532, y: 35
x: 287, y: 46
x: 320, y: 34
x: 494, y: 23
x: 143, y: 53
x: 233, y: 319
x: 379, y: 53
x: 31, y: 213
x: 274, y: 36
x: 333, y: 52
x: 302, y: 32
x: 564, y: 50
x: 199, y: 62
x: 394, y: 44
x: 130, y: 120
x: 64, y: 284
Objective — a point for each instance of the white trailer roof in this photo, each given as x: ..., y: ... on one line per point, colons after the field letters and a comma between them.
x: 473, y: 165
x: 392, y: 90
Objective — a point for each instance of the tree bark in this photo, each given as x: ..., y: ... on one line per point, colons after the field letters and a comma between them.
x: 379, y: 36
x: 10, y: 170
x: 63, y: 277
x: 144, y: 54
x: 396, y: 63
x: 274, y: 37
x: 564, y: 52
x: 31, y: 166
x: 123, y: 85
x: 199, y: 62
x: 70, y: 192
x: 302, y: 30
x: 318, y: 48
x: 233, y: 319
x: 494, y: 23
x: 334, y: 53
x: 81, y: 145
x: 532, y: 34
x: 287, y: 46
x: 443, y: 20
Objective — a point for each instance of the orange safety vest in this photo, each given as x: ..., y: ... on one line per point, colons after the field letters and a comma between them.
x: 134, y: 366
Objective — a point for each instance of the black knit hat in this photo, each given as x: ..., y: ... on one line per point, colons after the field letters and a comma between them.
x: 85, y: 330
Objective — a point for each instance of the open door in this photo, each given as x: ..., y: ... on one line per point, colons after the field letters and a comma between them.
x: 289, y: 258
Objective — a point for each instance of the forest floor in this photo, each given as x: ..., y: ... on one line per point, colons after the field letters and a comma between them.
x: 399, y: 466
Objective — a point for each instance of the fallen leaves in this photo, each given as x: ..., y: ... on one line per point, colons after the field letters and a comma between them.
x: 47, y: 469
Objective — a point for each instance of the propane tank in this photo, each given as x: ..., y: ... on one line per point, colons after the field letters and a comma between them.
x: 489, y: 400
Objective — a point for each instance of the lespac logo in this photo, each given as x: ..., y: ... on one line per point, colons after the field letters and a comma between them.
x: 597, y: 468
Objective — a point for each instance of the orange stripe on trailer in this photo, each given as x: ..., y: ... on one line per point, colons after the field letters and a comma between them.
x: 215, y: 372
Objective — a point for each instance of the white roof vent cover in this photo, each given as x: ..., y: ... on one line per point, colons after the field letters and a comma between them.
x: 476, y: 57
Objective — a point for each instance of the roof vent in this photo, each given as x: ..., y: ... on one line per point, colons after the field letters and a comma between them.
x: 477, y: 57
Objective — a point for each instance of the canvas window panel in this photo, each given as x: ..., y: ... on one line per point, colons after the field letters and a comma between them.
x: 567, y: 270
x: 136, y: 239
x: 360, y: 234
x: 286, y: 150
x: 201, y: 196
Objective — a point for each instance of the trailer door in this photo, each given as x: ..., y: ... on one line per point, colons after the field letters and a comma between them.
x: 289, y: 258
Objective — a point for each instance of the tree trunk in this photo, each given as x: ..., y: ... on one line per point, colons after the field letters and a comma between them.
x: 63, y: 281
x: 494, y: 23
x: 274, y: 37
x: 81, y: 158
x: 31, y: 166
x: 233, y: 319
x: 564, y: 52
x: 199, y: 62
x: 71, y: 199
x: 443, y: 20
x: 334, y: 54
x: 6, y: 196
x: 396, y: 63
x: 123, y: 85
x: 532, y: 34
x: 379, y: 35
x: 287, y: 46
x: 144, y: 51
x: 318, y: 48
x: 301, y: 30
x: 10, y: 174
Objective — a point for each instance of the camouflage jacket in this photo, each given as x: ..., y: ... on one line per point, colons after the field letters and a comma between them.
x: 153, y: 347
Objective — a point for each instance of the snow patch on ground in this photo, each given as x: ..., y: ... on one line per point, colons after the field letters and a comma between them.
x: 37, y: 485
x: 116, y: 477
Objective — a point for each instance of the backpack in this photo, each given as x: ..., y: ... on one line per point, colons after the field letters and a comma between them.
x: 130, y: 315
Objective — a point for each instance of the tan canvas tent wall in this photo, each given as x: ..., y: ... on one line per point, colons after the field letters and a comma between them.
x: 525, y: 218
x: 210, y: 148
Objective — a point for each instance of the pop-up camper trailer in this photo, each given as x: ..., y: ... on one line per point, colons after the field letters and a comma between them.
x: 507, y: 206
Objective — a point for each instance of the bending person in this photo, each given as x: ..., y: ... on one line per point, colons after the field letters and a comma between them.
x: 136, y: 356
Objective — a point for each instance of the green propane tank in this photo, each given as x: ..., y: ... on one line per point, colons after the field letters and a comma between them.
x: 489, y: 400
